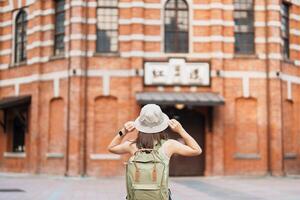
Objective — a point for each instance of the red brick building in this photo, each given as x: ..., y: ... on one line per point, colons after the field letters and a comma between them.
x: 72, y: 72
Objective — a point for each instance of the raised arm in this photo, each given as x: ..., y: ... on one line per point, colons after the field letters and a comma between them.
x: 116, y: 146
x: 190, y: 148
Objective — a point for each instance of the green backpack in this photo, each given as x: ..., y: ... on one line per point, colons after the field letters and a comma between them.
x: 147, y: 174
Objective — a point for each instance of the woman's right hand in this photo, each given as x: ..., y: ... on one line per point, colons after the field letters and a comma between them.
x: 175, y: 126
x: 129, y: 126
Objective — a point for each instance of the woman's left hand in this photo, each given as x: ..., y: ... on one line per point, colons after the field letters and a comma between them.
x: 129, y: 126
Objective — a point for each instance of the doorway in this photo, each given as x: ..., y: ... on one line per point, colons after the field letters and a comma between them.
x: 194, y: 123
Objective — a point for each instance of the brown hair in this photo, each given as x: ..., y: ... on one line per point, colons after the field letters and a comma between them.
x: 146, y: 140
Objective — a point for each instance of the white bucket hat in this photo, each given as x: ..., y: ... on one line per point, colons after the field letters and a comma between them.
x: 151, y: 119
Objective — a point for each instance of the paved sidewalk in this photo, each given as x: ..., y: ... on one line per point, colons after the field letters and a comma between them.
x: 16, y: 187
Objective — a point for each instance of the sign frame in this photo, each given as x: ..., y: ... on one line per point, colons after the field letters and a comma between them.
x: 167, y: 62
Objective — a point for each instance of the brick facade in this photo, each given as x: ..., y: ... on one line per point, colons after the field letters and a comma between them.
x: 80, y: 99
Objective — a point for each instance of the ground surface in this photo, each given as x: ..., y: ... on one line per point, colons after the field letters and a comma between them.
x: 24, y: 187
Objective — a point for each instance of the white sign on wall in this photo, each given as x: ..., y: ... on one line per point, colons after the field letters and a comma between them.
x: 177, y: 72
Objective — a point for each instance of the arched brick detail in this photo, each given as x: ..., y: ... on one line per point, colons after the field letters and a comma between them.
x: 246, y: 130
x: 56, y: 133
x: 105, y: 122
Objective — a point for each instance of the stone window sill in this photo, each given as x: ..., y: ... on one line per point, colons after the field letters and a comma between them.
x: 105, y: 157
x: 20, y: 64
x: 58, y: 57
x: 55, y: 155
x: 290, y: 156
x: 246, y: 56
x: 247, y: 156
x: 14, y: 155
x: 107, y: 54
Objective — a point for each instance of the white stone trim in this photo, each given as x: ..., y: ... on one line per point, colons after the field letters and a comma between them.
x: 213, y: 5
x: 38, y: 13
x: 37, y: 44
x: 105, y: 157
x: 55, y: 155
x: 5, y: 52
x: 5, y: 37
x: 56, y: 87
x: 147, y: 38
x: 140, y: 21
x: 14, y: 155
x: 106, y: 85
x: 40, y: 28
x: 295, y: 47
x: 295, y: 17
x: 17, y: 89
x: 4, y: 66
x: 213, y: 38
x: 296, y: 2
x: 246, y: 87
x: 139, y: 4
x: 213, y: 22
x: 5, y: 23
x: 295, y: 32
x: 289, y: 90
x: 270, y: 23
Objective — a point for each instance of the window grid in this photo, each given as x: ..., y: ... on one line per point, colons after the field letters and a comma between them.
x: 244, y: 29
x: 285, y: 29
x: 59, y: 45
x: 176, y: 27
x: 21, y: 37
x: 107, y: 26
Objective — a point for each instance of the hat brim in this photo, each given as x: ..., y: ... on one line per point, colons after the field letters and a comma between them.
x: 155, y: 129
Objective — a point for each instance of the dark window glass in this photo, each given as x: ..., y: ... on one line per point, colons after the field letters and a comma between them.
x: 59, y: 45
x: 285, y: 30
x: 176, y: 26
x: 21, y: 37
x: 243, y: 29
x: 18, y: 135
x: 107, y: 26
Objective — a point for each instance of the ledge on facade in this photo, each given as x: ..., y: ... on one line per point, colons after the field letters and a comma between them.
x: 247, y: 156
x: 290, y: 156
x: 57, y: 57
x: 108, y: 54
x: 55, y: 155
x: 246, y: 56
x: 288, y: 61
x: 14, y: 155
x: 105, y: 157
x: 20, y: 64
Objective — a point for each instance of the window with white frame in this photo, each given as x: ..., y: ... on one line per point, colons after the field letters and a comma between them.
x: 107, y: 26
x: 244, y: 26
x: 176, y: 24
x: 20, y: 36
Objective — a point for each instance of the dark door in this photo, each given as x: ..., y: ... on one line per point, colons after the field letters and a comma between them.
x: 193, y: 123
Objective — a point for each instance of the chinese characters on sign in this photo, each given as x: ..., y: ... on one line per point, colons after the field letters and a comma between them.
x: 177, y: 72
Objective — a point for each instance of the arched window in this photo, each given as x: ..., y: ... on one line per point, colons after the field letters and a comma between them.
x: 21, y: 37
x: 176, y: 26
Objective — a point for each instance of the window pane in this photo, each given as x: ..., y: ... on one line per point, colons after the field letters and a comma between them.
x: 108, y: 3
x: 59, y: 27
x: 285, y: 29
x: 107, y: 41
x: 244, y: 43
x: 182, y: 4
x: 107, y: 26
x: 60, y: 5
x: 18, y: 135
